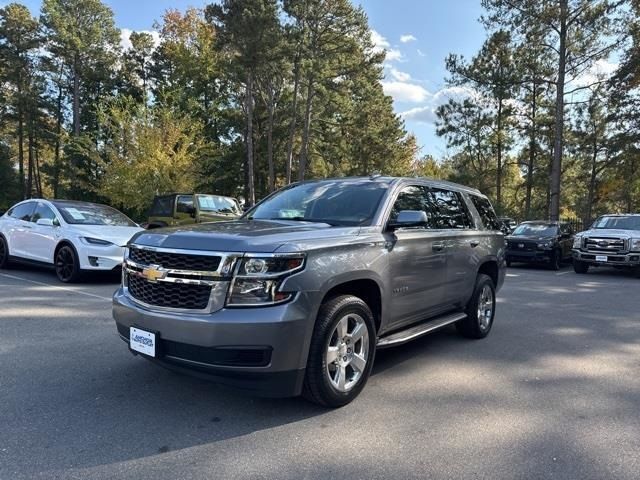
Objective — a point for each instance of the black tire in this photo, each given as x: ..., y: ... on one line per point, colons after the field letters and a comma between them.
x: 318, y: 387
x: 474, y: 326
x: 555, y: 262
x: 67, y: 265
x: 4, y: 253
x: 580, y: 267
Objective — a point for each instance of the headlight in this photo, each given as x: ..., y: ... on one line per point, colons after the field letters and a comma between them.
x: 545, y: 245
x: 635, y: 244
x: 95, y: 241
x: 577, y: 242
x: 258, y: 279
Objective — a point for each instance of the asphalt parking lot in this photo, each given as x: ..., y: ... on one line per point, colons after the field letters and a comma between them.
x: 553, y: 392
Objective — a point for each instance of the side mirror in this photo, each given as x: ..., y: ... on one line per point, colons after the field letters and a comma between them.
x: 409, y: 218
x: 47, y: 222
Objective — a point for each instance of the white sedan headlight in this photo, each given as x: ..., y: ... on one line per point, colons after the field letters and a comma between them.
x: 95, y: 241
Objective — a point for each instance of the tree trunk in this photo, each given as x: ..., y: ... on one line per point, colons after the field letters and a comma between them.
x: 294, y: 117
x: 304, y: 150
x: 56, y: 161
x: 591, y: 190
x: 76, y: 98
x: 31, y: 169
x: 499, y: 160
x: 251, y: 192
x: 272, y: 175
x: 556, y: 164
x: 532, y: 155
x: 21, y: 153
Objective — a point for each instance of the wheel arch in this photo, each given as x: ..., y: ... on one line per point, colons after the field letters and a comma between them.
x: 490, y: 267
x: 365, y: 288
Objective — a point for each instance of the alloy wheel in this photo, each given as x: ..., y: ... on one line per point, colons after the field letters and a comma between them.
x: 65, y: 264
x: 347, y: 352
x: 485, y: 307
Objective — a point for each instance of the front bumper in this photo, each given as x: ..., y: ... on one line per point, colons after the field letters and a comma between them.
x: 631, y: 259
x: 100, y: 258
x: 261, y: 350
x: 536, y: 256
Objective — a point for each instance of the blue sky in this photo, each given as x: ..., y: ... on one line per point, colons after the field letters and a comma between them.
x: 418, y: 35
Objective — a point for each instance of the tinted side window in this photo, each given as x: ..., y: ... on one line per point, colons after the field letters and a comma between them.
x: 23, y: 211
x: 42, y: 211
x: 414, y: 197
x: 162, y: 207
x: 185, y: 204
x: 452, y: 211
x: 485, y: 210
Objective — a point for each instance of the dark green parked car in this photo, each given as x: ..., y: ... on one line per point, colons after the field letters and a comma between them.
x: 187, y: 208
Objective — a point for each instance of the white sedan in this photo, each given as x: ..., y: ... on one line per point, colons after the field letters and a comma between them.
x: 68, y: 235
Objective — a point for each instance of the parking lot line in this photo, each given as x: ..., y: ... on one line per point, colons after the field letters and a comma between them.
x: 58, y: 287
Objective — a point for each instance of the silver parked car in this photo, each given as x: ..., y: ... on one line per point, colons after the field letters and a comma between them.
x: 298, y: 294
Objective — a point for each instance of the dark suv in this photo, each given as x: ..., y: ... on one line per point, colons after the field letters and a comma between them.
x: 298, y: 294
x: 540, y: 242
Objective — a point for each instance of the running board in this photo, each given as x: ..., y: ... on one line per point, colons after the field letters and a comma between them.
x: 416, y: 331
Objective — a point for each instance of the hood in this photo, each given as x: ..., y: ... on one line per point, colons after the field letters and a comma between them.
x: 607, y: 232
x: 116, y: 235
x: 265, y: 236
x: 529, y: 238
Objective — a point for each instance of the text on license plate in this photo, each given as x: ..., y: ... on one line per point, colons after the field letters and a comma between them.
x: 142, y: 341
x: 601, y: 258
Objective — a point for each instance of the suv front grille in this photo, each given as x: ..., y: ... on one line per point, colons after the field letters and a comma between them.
x: 527, y: 246
x: 608, y: 245
x: 178, y: 261
x: 167, y: 294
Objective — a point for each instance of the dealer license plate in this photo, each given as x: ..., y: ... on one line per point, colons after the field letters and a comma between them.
x: 142, y: 341
x: 601, y: 258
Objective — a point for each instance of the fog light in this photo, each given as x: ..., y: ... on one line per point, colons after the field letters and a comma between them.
x: 94, y: 261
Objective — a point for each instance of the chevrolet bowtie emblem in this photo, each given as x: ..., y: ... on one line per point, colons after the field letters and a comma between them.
x: 153, y: 273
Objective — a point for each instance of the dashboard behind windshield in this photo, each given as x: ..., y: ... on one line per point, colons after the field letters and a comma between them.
x: 619, y: 223
x: 333, y: 202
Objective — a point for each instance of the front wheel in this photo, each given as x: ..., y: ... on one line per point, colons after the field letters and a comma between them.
x: 480, y: 310
x: 580, y: 267
x: 67, y: 265
x: 341, y: 352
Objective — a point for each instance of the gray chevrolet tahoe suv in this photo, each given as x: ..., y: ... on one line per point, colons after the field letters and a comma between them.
x: 298, y: 294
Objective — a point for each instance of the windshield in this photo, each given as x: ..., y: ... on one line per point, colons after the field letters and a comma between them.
x: 536, y: 230
x: 620, y: 223
x: 216, y: 203
x: 331, y: 202
x: 93, y: 214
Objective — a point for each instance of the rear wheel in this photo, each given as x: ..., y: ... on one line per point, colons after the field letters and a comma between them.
x: 341, y: 352
x: 580, y: 267
x: 480, y: 310
x: 67, y: 265
x: 4, y: 253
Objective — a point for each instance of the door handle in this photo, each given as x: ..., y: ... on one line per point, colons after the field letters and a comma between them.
x: 437, y: 247
x: 474, y: 243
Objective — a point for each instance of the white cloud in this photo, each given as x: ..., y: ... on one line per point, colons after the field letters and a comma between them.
x: 380, y: 44
x: 125, y: 33
x: 421, y: 53
x: 427, y: 112
x: 600, y: 70
x: 405, y: 92
x: 398, y: 75
x: 407, y: 38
